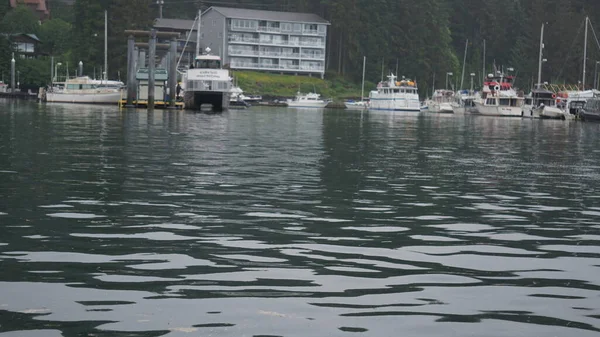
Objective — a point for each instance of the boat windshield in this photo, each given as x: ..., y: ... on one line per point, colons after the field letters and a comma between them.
x: 208, y: 64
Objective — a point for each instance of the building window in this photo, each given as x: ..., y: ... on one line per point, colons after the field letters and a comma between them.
x: 24, y: 47
x: 220, y: 35
x: 214, y: 23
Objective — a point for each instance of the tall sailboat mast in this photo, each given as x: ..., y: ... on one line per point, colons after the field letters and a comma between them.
x: 539, y: 81
x: 105, y: 45
x: 585, y: 50
x: 362, y: 90
x: 462, y: 76
x: 483, y: 73
x: 198, y: 32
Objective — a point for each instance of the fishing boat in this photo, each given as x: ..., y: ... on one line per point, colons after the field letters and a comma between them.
x: 395, y: 96
x: 310, y: 100
x: 499, y: 98
x: 441, y: 101
x: 207, y: 83
x: 362, y: 104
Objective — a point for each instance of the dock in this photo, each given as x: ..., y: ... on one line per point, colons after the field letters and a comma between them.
x: 143, y: 104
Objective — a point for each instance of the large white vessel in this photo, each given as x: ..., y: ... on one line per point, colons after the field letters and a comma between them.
x: 541, y: 103
x: 499, y: 98
x: 207, y: 83
x: 85, y: 90
x: 441, y: 101
x: 310, y: 100
x: 395, y: 96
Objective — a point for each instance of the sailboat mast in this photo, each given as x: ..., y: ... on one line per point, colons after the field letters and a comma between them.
x: 462, y: 76
x: 198, y: 32
x: 483, y: 73
x: 362, y: 90
x: 539, y: 81
x: 105, y: 45
x: 585, y: 50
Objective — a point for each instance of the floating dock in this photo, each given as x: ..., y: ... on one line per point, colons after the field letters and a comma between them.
x: 144, y: 104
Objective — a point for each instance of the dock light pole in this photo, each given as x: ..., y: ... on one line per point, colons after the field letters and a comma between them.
x: 160, y: 4
x: 448, y: 74
x: 12, y: 73
x: 18, y: 79
x: 472, y: 75
x: 56, y: 71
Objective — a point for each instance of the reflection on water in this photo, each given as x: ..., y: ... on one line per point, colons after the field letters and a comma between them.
x: 283, y: 222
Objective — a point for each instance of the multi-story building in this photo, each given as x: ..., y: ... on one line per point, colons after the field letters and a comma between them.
x: 282, y: 42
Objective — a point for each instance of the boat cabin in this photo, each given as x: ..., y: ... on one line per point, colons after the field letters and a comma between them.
x: 541, y: 96
x: 207, y: 61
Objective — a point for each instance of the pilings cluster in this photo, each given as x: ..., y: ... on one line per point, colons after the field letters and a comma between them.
x: 151, y: 46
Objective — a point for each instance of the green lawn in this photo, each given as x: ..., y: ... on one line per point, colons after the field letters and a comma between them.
x: 277, y: 85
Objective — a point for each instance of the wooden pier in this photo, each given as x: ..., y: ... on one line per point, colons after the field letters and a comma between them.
x: 143, y: 104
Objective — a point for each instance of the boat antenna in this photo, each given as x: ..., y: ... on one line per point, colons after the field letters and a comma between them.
x: 382, y: 62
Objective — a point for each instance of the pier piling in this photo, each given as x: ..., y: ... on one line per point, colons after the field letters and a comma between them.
x: 172, y: 73
x: 151, y: 67
x: 12, y: 73
x: 131, y: 85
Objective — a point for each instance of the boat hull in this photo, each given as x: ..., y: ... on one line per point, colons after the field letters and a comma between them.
x: 441, y: 108
x: 398, y: 104
x: 195, y: 100
x: 99, y: 98
x: 307, y: 105
x: 355, y: 105
x: 497, y: 110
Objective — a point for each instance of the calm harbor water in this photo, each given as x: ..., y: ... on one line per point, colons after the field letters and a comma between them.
x: 282, y: 222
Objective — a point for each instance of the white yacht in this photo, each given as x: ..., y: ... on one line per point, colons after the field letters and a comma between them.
x: 207, y: 83
x: 395, y: 96
x: 441, y: 101
x: 86, y: 90
x: 499, y: 98
x: 310, y: 100
x: 464, y: 101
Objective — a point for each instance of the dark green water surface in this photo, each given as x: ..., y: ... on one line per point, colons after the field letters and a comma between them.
x: 299, y: 223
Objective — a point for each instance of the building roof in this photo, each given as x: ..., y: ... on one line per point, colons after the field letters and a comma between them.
x: 31, y: 36
x: 38, y: 5
x: 253, y: 14
x: 176, y: 24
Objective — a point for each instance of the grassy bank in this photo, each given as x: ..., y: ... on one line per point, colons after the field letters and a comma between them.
x: 276, y: 85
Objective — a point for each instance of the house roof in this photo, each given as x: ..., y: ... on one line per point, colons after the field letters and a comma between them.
x: 254, y: 14
x: 40, y: 5
x: 176, y: 24
x: 31, y: 36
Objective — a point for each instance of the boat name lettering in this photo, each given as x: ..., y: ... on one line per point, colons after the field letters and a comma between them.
x: 211, y: 75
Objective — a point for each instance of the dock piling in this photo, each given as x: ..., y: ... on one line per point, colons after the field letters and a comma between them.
x: 131, y: 85
x: 173, y: 73
x: 12, y: 73
x: 151, y: 67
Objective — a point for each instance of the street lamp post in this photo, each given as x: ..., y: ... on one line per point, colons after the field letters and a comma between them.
x: 56, y: 71
x: 448, y: 74
x: 18, y: 79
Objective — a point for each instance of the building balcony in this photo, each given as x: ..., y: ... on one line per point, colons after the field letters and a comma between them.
x: 279, y: 54
x: 278, y: 67
x: 311, y: 32
x: 312, y: 44
x: 242, y: 40
x: 243, y: 52
x: 269, y: 29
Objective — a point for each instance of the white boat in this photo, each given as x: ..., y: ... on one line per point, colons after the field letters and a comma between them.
x: 541, y: 103
x: 362, y: 104
x: 464, y: 102
x: 310, y: 100
x: 441, y: 101
x: 207, y: 83
x: 395, y: 96
x: 356, y: 105
x: 86, y: 90
x: 499, y: 98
